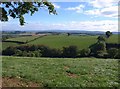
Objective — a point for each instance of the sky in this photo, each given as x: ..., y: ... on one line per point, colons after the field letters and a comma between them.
x: 85, y: 15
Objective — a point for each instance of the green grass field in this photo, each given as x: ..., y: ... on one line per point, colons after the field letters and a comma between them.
x: 7, y: 44
x: 113, y: 39
x: 23, y: 39
x: 63, y: 72
x: 59, y: 41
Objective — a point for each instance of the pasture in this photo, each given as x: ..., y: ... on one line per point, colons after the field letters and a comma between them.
x: 59, y: 41
x: 62, y: 72
x: 23, y: 39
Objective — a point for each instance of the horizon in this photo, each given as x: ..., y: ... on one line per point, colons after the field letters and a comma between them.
x: 89, y: 16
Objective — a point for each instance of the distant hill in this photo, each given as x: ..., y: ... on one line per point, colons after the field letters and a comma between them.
x: 63, y: 31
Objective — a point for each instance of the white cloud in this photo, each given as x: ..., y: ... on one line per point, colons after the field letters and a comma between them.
x: 95, y: 25
x: 56, y: 5
x: 110, y: 11
x: 103, y: 25
x: 78, y: 9
x: 104, y: 8
x: 103, y: 3
x: 105, y: 12
x: 93, y: 12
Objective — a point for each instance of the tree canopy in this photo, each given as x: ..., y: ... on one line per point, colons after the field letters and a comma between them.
x: 19, y: 8
x: 108, y: 34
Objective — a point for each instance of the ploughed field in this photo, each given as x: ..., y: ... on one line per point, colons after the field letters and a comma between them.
x: 58, y: 41
x: 59, y: 72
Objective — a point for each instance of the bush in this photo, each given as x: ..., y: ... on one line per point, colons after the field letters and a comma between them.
x: 101, y: 54
x: 18, y: 53
x: 9, y: 51
x: 70, y: 51
x: 55, y: 53
x: 113, y: 52
x: 97, y: 47
x: 85, y: 52
x: 117, y: 56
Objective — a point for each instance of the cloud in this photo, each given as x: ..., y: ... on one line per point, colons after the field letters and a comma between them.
x: 78, y: 9
x: 103, y: 25
x: 104, y: 12
x: 93, y: 12
x: 104, y: 8
x: 103, y: 3
x: 56, y: 5
x: 110, y: 11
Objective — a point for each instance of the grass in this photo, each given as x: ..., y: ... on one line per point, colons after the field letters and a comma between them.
x: 7, y: 44
x: 60, y: 41
x: 113, y: 39
x: 23, y: 39
x: 63, y: 72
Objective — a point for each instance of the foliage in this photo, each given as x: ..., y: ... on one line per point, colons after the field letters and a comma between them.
x: 85, y: 52
x: 101, y: 38
x: 117, y: 55
x: 108, y: 34
x: 9, y: 51
x: 99, y: 46
x: 20, y: 8
x: 112, y: 52
x: 70, y: 51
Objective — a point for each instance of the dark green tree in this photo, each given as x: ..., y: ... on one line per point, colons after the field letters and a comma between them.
x: 19, y: 8
x: 70, y: 51
x: 108, y: 34
x: 101, y: 38
x: 85, y: 52
x: 112, y: 52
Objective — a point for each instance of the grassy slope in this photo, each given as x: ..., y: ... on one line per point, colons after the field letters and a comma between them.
x: 79, y: 72
x: 23, y: 39
x: 113, y: 39
x: 63, y: 40
x: 7, y: 44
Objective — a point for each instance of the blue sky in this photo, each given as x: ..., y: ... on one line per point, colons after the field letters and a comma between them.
x: 92, y: 15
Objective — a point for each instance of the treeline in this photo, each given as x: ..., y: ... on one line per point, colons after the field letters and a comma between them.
x: 97, y: 50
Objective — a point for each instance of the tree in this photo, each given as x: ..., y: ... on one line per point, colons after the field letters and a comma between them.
x: 20, y: 8
x: 112, y: 52
x: 68, y: 34
x: 101, y: 38
x: 98, y: 47
x: 85, y: 52
x: 108, y: 34
x: 70, y: 51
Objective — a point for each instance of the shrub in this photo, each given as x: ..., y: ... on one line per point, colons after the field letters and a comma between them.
x: 99, y: 46
x: 117, y: 56
x: 9, y: 51
x: 101, y: 54
x: 55, y: 53
x: 112, y: 52
x: 70, y: 51
x: 85, y: 52
x: 18, y: 53
x: 101, y: 38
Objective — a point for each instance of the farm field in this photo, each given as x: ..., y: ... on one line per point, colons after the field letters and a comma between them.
x: 59, y: 41
x: 23, y: 39
x: 62, y: 72
x: 7, y: 44
x: 114, y: 39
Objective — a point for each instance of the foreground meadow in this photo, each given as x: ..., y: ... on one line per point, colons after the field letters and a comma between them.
x: 61, y: 72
